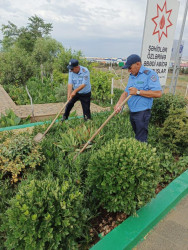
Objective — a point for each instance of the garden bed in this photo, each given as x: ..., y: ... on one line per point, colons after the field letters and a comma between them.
x: 49, y: 200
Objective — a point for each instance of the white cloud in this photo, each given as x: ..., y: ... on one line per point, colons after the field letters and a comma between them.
x: 108, y: 27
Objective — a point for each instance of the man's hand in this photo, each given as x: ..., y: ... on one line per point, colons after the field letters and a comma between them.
x: 117, y: 108
x: 132, y: 91
x: 72, y: 94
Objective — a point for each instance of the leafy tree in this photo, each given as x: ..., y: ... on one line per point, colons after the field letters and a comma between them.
x: 10, y: 34
x: 64, y: 57
x: 26, y: 40
x: 16, y: 66
x: 38, y: 27
x: 25, y: 37
x: 44, y: 53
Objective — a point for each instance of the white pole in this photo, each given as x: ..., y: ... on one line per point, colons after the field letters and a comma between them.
x: 186, y: 91
x: 177, y: 52
x: 112, y: 91
x: 144, y: 28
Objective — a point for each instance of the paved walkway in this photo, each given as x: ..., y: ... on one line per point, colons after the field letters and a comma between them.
x: 41, y: 111
x: 171, y: 233
x: 5, y: 101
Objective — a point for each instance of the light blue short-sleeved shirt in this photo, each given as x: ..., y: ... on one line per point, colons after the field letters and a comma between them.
x: 146, y: 79
x: 83, y: 77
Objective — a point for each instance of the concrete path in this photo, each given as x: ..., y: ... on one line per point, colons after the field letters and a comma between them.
x: 171, y: 233
x: 41, y: 111
x: 5, y: 101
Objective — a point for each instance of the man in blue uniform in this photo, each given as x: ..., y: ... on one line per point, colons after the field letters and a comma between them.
x: 143, y: 85
x: 79, y: 88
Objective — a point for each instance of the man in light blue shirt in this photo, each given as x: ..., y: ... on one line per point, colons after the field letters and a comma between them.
x: 79, y: 88
x: 143, y: 85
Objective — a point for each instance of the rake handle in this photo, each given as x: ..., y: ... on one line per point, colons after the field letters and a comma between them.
x: 96, y: 133
x: 55, y: 118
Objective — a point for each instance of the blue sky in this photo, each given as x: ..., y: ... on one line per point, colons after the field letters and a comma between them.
x: 104, y: 28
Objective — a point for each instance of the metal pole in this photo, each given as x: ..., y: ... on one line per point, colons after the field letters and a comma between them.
x: 144, y: 29
x: 177, y: 52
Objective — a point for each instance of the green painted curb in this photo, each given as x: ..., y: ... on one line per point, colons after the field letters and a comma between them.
x: 131, y: 231
x: 32, y: 124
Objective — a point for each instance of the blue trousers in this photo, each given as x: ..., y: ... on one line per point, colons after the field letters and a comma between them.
x: 140, y: 121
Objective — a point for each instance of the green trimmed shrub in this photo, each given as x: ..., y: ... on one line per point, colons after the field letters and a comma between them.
x: 123, y: 175
x: 174, y: 133
x: 161, y: 107
x: 7, y: 191
x: 45, y: 214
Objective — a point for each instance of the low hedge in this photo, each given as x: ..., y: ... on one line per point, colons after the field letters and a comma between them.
x: 123, y: 175
x: 45, y: 214
x: 161, y: 107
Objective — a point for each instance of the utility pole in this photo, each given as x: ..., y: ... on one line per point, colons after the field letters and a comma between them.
x: 177, y: 56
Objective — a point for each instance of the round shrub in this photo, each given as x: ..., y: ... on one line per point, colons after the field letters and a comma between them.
x: 45, y: 214
x: 161, y: 107
x: 174, y: 133
x: 123, y: 175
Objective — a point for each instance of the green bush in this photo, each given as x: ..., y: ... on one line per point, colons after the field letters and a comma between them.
x: 174, y: 133
x: 101, y: 85
x: 123, y: 175
x: 45, y: 214
x: 61, y: 93
x: 45, y: 91
x: 167, y: 167
x: 171, y: 168
x: 60, y: 77
x: 18, y: 153
x: 7, y: 191
x: 161, y: 107
x: 16, y: 66
x: 11, y: 119
x: 76, y: 138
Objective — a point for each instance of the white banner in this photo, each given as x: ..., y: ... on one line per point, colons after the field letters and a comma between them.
x: 160, y: 24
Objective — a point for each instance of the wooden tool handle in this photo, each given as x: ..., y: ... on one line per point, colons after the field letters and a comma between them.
x: 55, y: 118
x: 96, y: 133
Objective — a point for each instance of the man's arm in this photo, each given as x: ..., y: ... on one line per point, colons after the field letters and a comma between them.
x: 69, y: 90
x: 76, y: 90
x: 146, y: 93
x: 117, y: 108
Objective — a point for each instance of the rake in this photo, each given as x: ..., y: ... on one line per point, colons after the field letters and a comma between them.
x: 40, y: 136
x: 96, y: 133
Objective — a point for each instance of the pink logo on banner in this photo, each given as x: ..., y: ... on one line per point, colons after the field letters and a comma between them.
x: 162, y: 21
